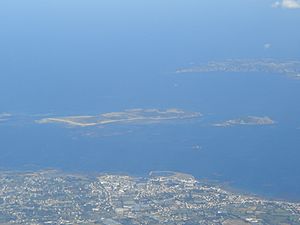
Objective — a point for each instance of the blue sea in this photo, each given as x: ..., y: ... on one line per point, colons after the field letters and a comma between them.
x: 63, y: 58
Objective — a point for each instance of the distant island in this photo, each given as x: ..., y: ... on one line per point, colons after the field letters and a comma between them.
x: 4, y: 117
x: 289, y: 68
x: 128, y: 116
x: 53, y: 197
x: 249, y: 120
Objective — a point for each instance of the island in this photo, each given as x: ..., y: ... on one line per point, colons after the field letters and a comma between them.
x: 4, y: 117
x: 248, y: 120
x: 129, y: 116
x: 289, y: 68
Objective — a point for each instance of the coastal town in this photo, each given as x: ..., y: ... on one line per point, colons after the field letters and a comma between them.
x: 53, y: 197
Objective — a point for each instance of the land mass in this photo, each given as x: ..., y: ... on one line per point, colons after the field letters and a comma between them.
x: 4, y: 117
x: 52, y: 197
x: 290, y: 68
x: 249, y: 120
x: 127, y: 116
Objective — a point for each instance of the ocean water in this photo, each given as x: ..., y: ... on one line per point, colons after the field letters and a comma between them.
x: 77, y: 58
x: 257, y: 159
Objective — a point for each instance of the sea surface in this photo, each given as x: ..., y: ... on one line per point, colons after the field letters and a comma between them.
x: 257, y: 159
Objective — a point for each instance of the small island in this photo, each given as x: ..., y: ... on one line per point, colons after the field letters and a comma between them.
x: 289, y: 68
x: 249, y: 120
x: 4, y: 117
x: 129, y: 116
